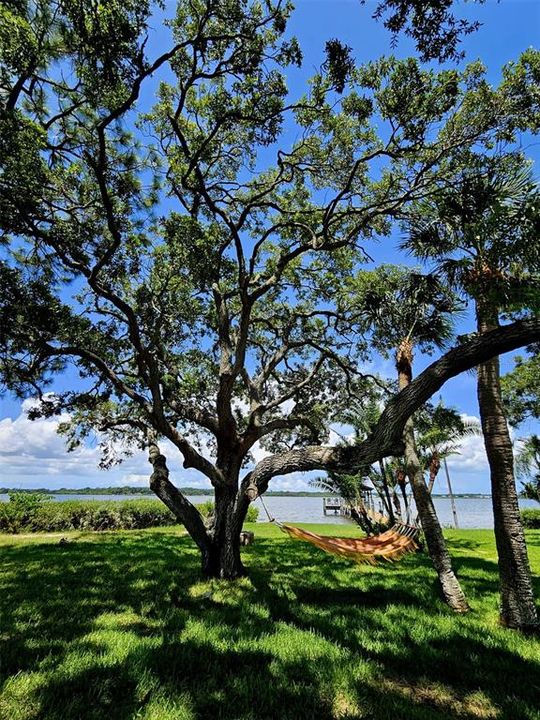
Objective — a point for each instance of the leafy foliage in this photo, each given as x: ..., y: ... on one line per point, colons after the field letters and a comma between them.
x: 521, y: 389
x: 528, y: 466
x: 431, y: 24
x: 30, y: 513
x: 482, y: 230
x: 531, y: 519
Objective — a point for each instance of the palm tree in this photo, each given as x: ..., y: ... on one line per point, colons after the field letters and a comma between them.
x: 401, y: 309
x: 440, y: 433
x: 352, y: 489
x: 483, y: 232
x: 361, y: 417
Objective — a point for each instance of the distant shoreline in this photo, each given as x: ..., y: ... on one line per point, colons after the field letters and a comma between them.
x: 131, y: 490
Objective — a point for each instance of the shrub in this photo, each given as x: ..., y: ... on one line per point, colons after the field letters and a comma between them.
x: 531, y: 519
x: 207, y: 508
x: 27, y: 512
x: 21, y: 510
x: 252, y: 514
x: 83, y: 515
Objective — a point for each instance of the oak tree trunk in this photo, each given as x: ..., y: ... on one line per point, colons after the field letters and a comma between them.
x: 434, y: 467
x: 518, y: 608
x: 440, y: 557
x: 221, y: 558
x: 220, y: 543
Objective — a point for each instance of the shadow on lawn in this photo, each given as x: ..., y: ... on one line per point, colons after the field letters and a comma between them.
x: 310, y: 637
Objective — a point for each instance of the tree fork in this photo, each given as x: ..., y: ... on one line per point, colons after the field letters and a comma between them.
x: 178, y: 504
x: 222, y: 557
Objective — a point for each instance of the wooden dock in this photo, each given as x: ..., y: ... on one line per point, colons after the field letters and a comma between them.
x: 336, y: 505
x: 333, y: 505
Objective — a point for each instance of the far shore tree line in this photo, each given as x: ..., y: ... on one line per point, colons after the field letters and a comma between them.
x: 202, y: 260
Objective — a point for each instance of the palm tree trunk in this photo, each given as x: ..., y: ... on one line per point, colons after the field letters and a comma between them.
x: 518, y: 608
x: 401, y: 481
x: 434, y: 467
x: 451, y: 494
x: 451, y: 589
x: 388, y: 503
x: 397, y: 504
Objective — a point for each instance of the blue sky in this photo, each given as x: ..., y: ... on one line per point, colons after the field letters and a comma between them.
x: 32, y: 455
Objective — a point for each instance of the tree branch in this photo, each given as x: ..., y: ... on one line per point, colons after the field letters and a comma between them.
x: 386, y: 438
x: 177, y: 503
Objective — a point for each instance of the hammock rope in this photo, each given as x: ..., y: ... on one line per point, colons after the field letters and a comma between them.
x: 390, y: 545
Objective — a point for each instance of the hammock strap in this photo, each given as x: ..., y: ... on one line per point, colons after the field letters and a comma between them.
x: 271, y: 518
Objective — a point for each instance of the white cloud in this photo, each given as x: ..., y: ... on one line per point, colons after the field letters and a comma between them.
x: 471, y: 458
x: 295, y: 482
x: 32, y: 454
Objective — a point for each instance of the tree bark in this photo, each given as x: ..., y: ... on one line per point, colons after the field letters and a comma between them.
x: 184, y: 511
x: 434, y: 467
x: 518, y: 609
x: 440, y: 557
x: 388, y: 502
x: 401, y: 480
x: 221, y: 559
x: 397, y: 504
x: 220, y: 543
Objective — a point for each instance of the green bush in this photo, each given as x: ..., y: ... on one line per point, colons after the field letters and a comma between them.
x: 30, y: 513
x: 531, y: 519
x: 207, y: 508
x: 83, y: 515
x: 252, y: 514
x: 21, y: 510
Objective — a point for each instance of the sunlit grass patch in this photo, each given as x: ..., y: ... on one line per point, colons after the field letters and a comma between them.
x: 121, y: 626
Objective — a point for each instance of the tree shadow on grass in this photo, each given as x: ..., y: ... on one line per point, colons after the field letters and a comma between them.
x: 122, y: 627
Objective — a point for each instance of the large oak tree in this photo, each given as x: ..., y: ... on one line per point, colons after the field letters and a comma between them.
x: 182, y: 257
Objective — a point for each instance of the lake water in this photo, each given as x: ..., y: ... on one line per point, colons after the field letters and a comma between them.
x: 472, y: 512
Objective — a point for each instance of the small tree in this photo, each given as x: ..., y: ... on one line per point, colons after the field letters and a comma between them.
x: 401, y: 309
x: 362, y: 416
x: 441, y: 431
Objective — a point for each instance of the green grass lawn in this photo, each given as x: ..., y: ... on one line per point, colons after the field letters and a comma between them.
x: 119, y: 625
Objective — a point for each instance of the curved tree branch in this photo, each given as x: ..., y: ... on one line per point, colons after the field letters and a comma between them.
x: 177, y: 503
x: 386, y: 438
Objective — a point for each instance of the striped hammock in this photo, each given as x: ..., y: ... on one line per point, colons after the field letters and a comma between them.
x: 391, y: 545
